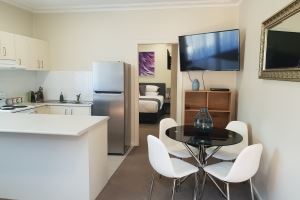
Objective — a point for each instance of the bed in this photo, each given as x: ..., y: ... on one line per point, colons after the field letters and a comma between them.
x: 151, y: 108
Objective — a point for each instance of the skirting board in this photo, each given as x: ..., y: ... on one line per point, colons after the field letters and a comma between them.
x: 257, y: 195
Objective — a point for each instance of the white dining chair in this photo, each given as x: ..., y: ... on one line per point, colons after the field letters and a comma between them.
x: 169, y: 167
x: 174, y: 148
x: 228, y: 153
x: 243, y: 169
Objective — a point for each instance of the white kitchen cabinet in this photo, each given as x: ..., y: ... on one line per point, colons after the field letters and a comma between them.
x: 23, y: 53
x: 7, y: 46
x: 42, y: 110
x: 42, y: 54
x: 70, y: 110
x: 58, y: 110
x: 38, y: 55
x: 31, y: 53
x: 76, y: 110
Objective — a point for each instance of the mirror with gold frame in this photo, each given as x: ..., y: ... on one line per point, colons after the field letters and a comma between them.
x: 280, y: 45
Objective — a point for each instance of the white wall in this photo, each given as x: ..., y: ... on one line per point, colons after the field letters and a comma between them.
x: 77, y: 39
x: 14, y: 20
x: 271, y: 108
x: 161, y: 72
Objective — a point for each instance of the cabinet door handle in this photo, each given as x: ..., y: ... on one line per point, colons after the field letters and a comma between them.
x: 20, y: 61
x: 72, y: 111
x: 4, y: 51
x: 65, y: 111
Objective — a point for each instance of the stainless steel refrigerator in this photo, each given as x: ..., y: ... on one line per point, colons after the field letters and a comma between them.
x: 111, y: 97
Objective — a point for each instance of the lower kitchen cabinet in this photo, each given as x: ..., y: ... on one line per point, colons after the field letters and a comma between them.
x: 80, y: 110
x: 42, y: 110
x: 63, y: 110
x: 70, y: 110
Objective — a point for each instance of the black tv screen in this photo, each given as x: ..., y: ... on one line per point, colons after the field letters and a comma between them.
x: 215, y: 51
x: 283, y: 50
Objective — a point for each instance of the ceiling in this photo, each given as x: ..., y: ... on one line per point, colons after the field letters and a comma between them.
x: 45, y: 6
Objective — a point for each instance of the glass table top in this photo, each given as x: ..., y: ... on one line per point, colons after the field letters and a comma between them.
x: 196, y: 137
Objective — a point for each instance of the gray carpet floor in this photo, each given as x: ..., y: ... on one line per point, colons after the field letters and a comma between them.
x: 132, y: 179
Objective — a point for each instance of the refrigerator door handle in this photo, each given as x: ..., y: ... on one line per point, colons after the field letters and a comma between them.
x: 108, y: 93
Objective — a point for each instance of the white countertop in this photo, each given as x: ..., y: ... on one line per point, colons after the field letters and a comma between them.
x: 48, y: 124
x: 47, y: 103
x: 57, y: 103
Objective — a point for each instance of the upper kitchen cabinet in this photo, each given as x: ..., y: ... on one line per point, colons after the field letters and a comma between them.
x: 7, y: 47
x: 31, y: 53
x: 23, y: 54
x: 42, y: 48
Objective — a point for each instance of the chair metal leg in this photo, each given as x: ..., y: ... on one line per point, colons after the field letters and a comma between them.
x: 184, y: 179
x: 151, y: 187
x: 228, y: 193
x: 173, y: 189
x: 251, y: 187
x: 177, y: 185
x: 203, y: 185
x: 218, y: 187
x: 196, y: 186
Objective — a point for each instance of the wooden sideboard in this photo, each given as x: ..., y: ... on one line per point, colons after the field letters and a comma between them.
x: 219, y: 104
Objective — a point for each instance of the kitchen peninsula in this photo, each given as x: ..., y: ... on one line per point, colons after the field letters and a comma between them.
x: 47, y: 156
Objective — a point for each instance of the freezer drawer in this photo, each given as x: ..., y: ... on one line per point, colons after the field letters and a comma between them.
x: 112, y: 105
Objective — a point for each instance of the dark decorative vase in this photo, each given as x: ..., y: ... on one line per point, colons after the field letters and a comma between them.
x: 203, y: 120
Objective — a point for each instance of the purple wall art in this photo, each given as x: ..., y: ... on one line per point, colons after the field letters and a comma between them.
x: 146, y: 63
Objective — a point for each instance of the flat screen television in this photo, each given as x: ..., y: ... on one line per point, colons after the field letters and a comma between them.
x: 215, y: 51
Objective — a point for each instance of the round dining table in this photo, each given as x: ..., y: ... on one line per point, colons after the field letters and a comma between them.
x: 189, y: 135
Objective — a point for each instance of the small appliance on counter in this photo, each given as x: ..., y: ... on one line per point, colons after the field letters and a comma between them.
x: 31, y: 97
x: 36, y: 97
x: 39, y: 95
x: 2, y: 99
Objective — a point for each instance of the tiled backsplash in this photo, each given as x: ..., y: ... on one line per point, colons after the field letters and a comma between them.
x: 69, y: 83
x: 17, y: 82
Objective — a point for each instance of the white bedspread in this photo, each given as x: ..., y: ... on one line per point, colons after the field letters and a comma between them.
x: 150, y: 106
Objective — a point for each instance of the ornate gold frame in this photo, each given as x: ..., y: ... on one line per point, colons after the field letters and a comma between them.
x: 292, y: 74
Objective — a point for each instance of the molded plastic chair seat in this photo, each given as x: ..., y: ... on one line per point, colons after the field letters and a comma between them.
x: 180, y: 151
x: 183, y: 168
x: 174, y: 147
x: 219, y: 170
x: 170, y: 167
x: 244, y: 168
x: 231, y: 152
x: 222, y: 154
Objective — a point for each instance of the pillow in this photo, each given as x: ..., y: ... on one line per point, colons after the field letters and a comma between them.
x: 151, y: 94
x: 142, y: 89
x: 151, y: 88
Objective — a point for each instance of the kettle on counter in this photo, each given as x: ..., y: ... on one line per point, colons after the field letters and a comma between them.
x: 31, y: 97
x: 39, y: 95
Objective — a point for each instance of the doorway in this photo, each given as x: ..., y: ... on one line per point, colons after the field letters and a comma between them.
x: 157, y: 66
